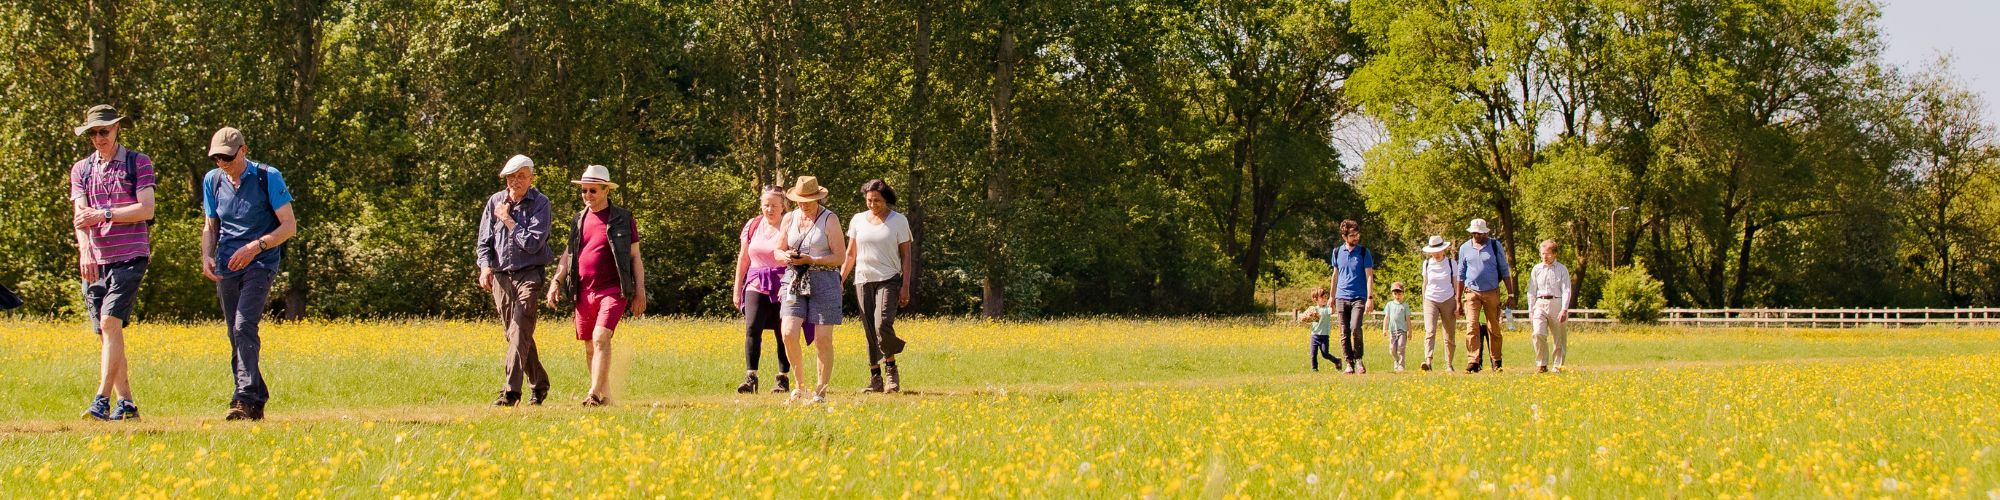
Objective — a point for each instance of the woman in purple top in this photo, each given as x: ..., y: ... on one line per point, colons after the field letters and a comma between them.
x: 758, y: 272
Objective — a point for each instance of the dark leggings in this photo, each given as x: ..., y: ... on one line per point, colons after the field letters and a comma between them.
x: 760, y: 313
x: 1321, y: 348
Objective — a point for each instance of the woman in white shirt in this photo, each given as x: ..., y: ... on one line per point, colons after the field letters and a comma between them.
x: 879, y: 261
x: 1440, y: 302
x: 1549, y: 295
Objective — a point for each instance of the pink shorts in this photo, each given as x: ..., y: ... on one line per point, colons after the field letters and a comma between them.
x: 598, y: 310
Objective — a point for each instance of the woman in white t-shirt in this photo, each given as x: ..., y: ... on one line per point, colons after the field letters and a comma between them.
x: 878, y: 257
x: 1440, y: 301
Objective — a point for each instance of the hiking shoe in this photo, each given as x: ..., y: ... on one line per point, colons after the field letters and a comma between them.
x: 1541, y: 369
x: 238, y: 410
x: 783, y: 383
x: 874, y: 381
x: 507, y: 399
x: 1472, y: 368
x: 536, y: 398
x: 892, y: 378
x: 749, y: 385
x: 126, y: 410
x: 100, y: 408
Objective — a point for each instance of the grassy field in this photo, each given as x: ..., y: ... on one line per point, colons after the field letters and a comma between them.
x: 1180, y: 408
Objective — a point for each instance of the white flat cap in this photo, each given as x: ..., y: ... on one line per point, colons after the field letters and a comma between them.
x: 515, y: 164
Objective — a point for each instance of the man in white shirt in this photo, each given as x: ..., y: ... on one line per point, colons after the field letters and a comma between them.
x: 1549, y: 289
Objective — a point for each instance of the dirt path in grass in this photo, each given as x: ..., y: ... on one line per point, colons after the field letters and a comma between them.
x: 461, y: 413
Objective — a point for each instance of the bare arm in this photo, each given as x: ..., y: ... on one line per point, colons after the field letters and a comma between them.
x: 639, y: 280
x: 208, y: 249
x: 136, y: 212
x: 836, y: 241
x: 742, y: 272
x: 847, y: 265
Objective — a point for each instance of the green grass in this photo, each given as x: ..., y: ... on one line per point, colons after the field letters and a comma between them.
x: 1096, y: 408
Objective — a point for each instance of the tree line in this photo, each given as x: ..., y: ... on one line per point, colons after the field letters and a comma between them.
x: 1053, y: 157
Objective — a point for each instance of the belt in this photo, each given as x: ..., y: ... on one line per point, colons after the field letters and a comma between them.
x: 1546, y: 297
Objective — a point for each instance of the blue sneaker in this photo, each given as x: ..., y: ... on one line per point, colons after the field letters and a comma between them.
x: 126, y: 410
x: 100, y: 409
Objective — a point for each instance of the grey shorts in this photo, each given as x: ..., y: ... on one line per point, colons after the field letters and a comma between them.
x: 114, y: 292
x: 822, y: 307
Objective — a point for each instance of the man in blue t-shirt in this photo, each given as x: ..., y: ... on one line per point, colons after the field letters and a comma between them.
x: 1482, y: 269
x: 1353, y: 291
x: 248, y: 217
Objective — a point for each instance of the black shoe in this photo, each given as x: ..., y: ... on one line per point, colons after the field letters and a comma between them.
x: 536, y: 398
x: 100, y: 408
x: 1472, y: 368
x: 783, y: 383
x: 239, y: 410
x: 507, y: 399
x: 126, y: 410
x: 749, y: 385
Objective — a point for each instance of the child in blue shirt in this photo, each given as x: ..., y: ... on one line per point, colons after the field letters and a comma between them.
x: 1396, y: 320
x: 1321, y: 317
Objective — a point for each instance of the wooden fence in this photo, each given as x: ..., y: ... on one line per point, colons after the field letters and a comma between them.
x: 1783, y: 318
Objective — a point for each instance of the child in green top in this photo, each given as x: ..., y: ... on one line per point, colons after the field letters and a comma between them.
x: 1321, y: 318
x: 1396, y: 319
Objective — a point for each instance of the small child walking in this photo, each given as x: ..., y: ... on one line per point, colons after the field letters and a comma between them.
x: 1321, y: 317
x: 1396, y: 320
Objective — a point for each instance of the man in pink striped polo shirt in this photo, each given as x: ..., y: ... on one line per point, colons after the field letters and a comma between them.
x: 111, y: 192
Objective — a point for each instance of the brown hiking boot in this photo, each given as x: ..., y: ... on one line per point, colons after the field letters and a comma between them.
x: 239, y: 410
x: 892, y: 378
x: 874, y: 381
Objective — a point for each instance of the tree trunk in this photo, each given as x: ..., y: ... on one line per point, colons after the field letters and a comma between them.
x: 517, y: 54
x: 305, y: 74
x: 920, y: 96
x: 993, y: 303
x: 103, y: 42
x: 1742, y: 284
x: 1508, y: 230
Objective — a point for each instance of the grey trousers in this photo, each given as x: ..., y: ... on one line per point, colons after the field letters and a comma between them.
x: 878, y: 317
x: 243, y: 299
x: 515, y: 296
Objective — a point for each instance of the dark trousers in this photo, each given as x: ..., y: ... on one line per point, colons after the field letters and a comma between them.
x: 878, y: 317
x: 243, y: 299
x: 515, y: 295
x: 1351, y: 313
x: 1321, y: 348
x: 760, y: 312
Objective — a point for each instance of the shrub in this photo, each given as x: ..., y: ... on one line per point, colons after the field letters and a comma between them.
x: 1633, y: 296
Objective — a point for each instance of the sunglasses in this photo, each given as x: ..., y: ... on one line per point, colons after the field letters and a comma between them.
x: 99, y: 132
x: 222, y: 158
x: 592, y: 190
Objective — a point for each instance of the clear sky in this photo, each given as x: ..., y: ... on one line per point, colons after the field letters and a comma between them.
x: 1914, y: 32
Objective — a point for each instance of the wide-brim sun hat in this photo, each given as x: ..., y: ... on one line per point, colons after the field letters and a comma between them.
x: 806, y: 189
x: 1437, y: 244
x: 102, y: 115
x: 596, y: 174
x: 1478, y: 226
